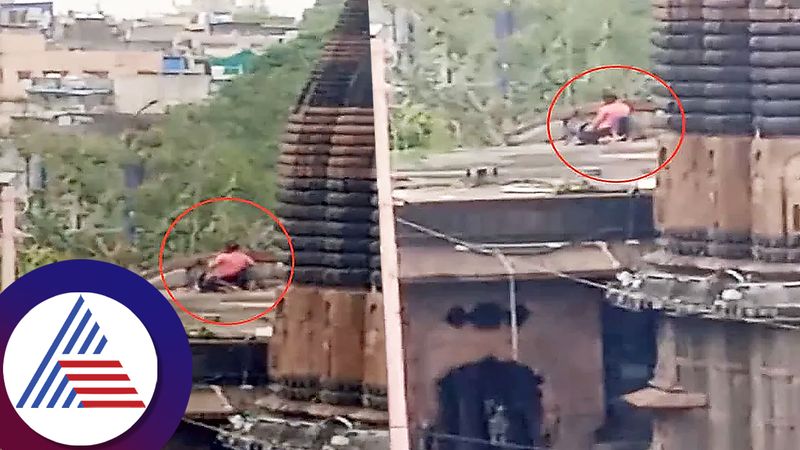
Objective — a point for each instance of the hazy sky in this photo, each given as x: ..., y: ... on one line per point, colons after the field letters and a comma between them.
x: 137, y: 8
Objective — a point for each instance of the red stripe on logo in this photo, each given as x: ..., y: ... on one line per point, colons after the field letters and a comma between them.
x: 81, y: 364
x: 97, y: 377
x: 111, y: 390
x: 112, y: 404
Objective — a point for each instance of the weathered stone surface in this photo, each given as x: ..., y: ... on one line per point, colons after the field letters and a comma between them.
x: 356, y: 130
x: 344, y: 337
x: 175, y: 278
x: 374, y: 342
x: 334, y: 119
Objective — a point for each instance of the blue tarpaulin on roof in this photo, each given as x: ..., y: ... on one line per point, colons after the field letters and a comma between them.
x: 174, y: 64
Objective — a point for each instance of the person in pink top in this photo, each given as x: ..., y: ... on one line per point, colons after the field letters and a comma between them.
x: 230, y: 267
x: 612, y: 120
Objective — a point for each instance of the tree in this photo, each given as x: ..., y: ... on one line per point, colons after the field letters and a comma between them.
x: 455, y: 57
x: 77, y: 206
x: 414, y: 125
x: 227, y: 147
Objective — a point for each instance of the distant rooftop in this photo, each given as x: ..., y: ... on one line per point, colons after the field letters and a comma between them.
x: 68, y: 91
x: 89, y: 16
x: 154, y: 33
x: 251, y: 28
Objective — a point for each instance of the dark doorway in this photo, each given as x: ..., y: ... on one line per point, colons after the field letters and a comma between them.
x: 629, y: 357
x: 486, y: 404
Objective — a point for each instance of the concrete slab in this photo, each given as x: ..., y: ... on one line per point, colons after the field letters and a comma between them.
x: 208, y: 403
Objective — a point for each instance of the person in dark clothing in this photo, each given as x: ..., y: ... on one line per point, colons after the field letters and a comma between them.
x: 228, y: 268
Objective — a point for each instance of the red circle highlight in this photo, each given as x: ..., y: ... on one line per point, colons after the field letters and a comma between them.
x: 215, y: 200
x: 623, y: 67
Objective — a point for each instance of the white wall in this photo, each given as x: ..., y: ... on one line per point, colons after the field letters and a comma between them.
x: 132, y: 93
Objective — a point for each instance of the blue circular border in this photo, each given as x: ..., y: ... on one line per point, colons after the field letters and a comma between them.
x: 174, y: 386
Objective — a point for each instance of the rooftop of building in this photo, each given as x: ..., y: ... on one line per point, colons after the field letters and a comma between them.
x: 594, y: 259
x: 70, y: 91
x: 554, y: 233
x: 154, y: 33
x: 25, y: 4
x: 523, y: 172
x: 19, y: 28
x: 262, y: 27
x: 108, y: 123
x: 72, y: 82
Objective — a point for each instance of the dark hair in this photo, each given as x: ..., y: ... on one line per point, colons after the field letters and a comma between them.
x: 231, y: 246
x: 609, y: 95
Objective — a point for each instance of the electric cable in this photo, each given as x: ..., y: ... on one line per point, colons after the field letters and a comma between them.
x: 484, y: 249
x: 488, y: 250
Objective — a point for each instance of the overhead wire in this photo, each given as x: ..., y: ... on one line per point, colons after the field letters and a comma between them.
x: 486, y: 249
x: 489, y: 250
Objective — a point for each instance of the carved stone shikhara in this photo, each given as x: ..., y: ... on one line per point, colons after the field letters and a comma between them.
x: 327, y: 161
x: 328, y: 345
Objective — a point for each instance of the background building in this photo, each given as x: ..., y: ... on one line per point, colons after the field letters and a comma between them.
x: 38, y: 16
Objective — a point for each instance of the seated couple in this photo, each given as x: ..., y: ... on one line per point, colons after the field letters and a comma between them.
x: 612, y: 121
x: 229, y: 269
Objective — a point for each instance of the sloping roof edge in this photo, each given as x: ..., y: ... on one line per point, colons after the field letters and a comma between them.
x: 655, y: 398
x: 432, y: 264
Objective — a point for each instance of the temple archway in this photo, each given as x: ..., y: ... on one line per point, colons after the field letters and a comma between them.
x: 487, y: 403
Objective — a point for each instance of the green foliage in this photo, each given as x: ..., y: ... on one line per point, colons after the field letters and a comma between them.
x: 554, y: 40
x: 227, y: 147
x: 78, y: 205
x: 31, y: 255
x: 317, y: 21
x: 413, y: 125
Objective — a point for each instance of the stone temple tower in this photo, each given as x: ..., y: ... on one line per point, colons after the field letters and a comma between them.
x: 732, y: 191
x: 726, y: 278
x: 329, y: 337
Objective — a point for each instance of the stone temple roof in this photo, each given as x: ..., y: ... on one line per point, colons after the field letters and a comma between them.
x: 722, y: 295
